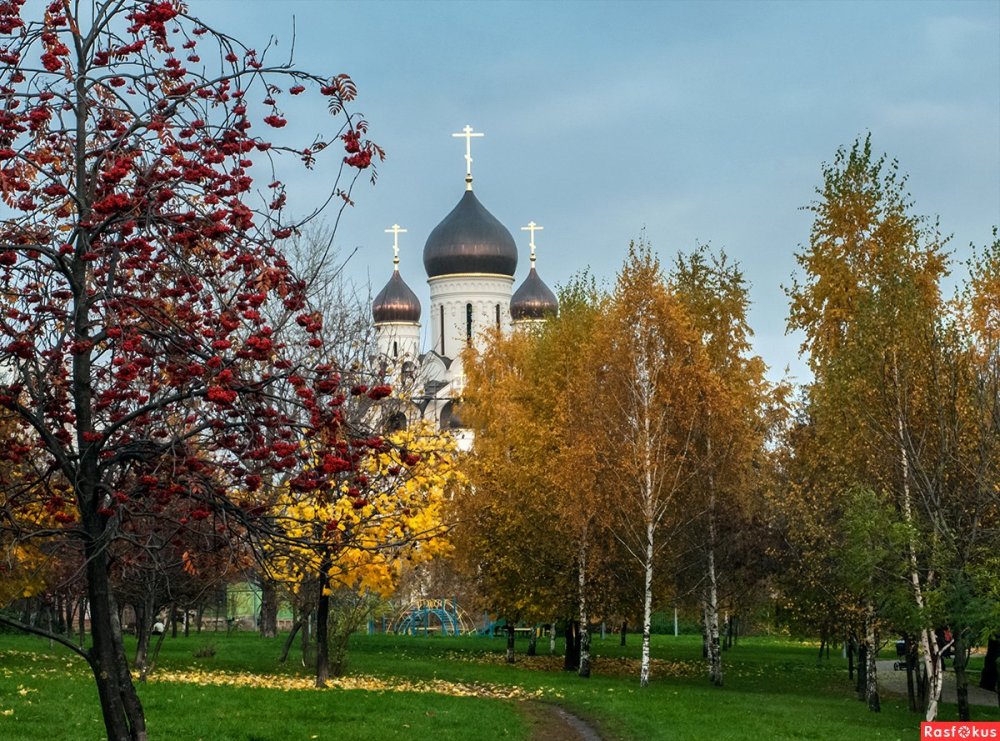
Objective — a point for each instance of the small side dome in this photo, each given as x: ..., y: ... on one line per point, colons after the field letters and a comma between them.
x: 533, y: 300
x: 396, y: 302
x: 470, y: 240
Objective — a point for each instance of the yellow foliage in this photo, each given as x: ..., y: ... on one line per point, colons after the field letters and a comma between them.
x: 25, y: 561
x: 362, y: 538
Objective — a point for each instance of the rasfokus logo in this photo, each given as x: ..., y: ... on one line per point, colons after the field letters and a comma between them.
x: 960, y: 730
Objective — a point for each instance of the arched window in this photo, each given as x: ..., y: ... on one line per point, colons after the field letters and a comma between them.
x: 468, y: 323
x: 395, y: 349
x: 442, y: 330
x: 498, y: 316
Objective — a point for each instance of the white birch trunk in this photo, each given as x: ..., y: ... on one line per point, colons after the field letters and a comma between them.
x: 712, y: 616
x: 933, y: 668
x: 647, y: 607
x: 712, y: 603
x: 552, y: 637
x: 935, y: 675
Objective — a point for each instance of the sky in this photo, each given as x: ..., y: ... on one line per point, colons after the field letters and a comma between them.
x: 683, y: 123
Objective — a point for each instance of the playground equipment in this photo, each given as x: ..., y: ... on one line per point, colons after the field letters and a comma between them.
x: 432, y: 616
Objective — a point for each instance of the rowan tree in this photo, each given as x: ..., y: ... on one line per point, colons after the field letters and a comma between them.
x: 140, y: 255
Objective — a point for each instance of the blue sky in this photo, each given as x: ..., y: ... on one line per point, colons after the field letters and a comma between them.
x: 695, y: 122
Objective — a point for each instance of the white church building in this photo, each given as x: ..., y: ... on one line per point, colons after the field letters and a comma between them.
x: 470, y: 259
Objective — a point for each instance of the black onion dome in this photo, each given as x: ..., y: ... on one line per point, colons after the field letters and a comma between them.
x: 533, y: 300
x: 470, y: 240
x: 396, y: 302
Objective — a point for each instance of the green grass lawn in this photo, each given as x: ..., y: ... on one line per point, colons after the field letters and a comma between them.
x: 774, y: 689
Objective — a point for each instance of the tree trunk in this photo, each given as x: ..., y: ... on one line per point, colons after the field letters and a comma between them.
x: 862, y: 670
x: 57, y: 606
x: 623, y: 631
x: 120, y: 706
x: 144, y: 619
x: 850, y: 659
x: 584, y: 670
x: 151, y: 664
x: 704, y: 629
x: 712, y: 598
x: 572, y: 660
x: 932, y: 662
x: 509, y: 629
x: 871, y: 668
x: 647, y: 606
x: 910, y: 657
x: 69, y: 605
x: 306, y: 633
x: 533, y: 642
x: 83, y: 621
x: 961, y: 678
x: 934, y: 667
x: 289, y: 641
x: 552, y: 637
x: 322, y: 627
x: 268, y: 608
x: 991, y: 672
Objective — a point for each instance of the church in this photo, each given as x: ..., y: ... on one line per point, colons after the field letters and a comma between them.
x: 470, y: 259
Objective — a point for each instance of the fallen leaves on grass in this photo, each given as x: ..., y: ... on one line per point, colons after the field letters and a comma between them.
x: 603, y: 665
x: 356, y: 682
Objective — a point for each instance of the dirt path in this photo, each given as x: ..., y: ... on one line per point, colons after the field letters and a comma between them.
x: 895, y: 682
x: 548, y: 722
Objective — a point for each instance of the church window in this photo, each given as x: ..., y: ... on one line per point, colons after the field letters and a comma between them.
x: 395, y: 349
x: 498, y: 316
x: 442, y: 331
x: 468, y: 323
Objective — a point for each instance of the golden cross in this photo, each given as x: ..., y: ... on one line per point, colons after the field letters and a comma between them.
x: 532, y: 227
x: 395, y: 230
x: 468, y: 134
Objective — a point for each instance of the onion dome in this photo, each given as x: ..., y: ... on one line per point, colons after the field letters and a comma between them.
x: 533, y: 300
x: 470, y: 240
x: 396, y: 302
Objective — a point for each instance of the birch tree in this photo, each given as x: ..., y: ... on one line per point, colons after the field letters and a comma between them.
x: 877, y: 339
x: 652, y: 376
x: 730, y: 431
x: 534, y: 474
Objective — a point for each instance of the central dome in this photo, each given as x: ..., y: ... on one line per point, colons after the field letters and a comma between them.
x: 470, y: 240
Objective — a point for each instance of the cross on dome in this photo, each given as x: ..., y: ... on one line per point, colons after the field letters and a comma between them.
x: 532, y: 227
x: 468, y: 135
x: 395, y: 230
